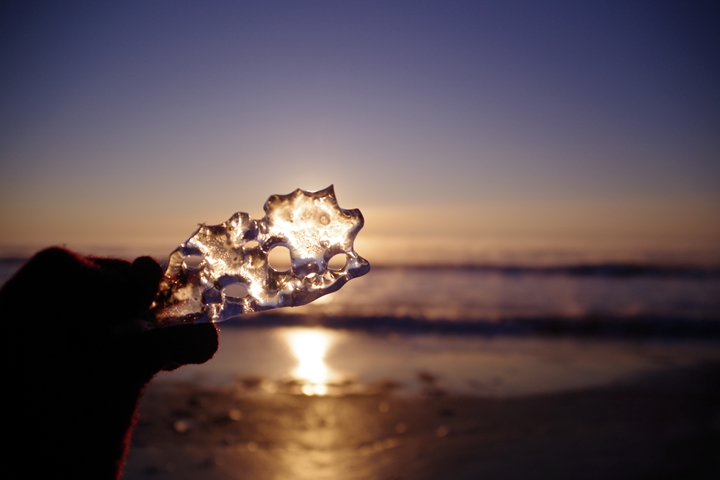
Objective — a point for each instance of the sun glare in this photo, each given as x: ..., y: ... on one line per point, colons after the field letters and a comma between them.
x: 309, y: 347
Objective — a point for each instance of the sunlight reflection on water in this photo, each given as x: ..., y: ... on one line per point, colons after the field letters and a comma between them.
x: 309, y: 347
x: 325, y: 362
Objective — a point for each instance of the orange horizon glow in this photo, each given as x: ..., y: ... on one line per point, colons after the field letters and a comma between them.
x: 437, y: 234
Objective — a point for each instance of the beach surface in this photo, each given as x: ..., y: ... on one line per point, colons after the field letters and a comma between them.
x: 656, y: 419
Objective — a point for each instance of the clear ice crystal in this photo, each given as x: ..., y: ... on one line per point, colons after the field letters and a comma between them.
x: 222, y: 271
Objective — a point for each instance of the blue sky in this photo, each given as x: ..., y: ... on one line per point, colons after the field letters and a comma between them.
x: 138, y: 120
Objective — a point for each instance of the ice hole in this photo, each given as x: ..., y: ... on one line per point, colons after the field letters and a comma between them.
x: 251, y: 244
x: 234, y: 293
x: 337, y: 262
x: 279, y: 258
x: 193, y: 263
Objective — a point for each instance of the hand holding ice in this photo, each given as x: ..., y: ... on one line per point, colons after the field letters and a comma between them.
x: 222, y: 271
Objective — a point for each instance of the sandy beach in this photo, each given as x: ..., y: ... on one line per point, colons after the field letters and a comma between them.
x: 662, y: 425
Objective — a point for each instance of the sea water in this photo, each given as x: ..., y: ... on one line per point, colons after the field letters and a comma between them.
x: 473, y: 330
x: 672, y: 300
x: 598, y: 299
x: 492, y: 332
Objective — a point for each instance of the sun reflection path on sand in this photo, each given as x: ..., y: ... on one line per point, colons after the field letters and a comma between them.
x: 309, y: 347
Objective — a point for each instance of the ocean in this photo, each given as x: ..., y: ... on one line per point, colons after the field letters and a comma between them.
x: 602, y: 299
x: 473, y: 330
x: 583, y: 299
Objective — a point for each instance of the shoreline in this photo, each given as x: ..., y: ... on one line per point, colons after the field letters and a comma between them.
x: 492, y: 366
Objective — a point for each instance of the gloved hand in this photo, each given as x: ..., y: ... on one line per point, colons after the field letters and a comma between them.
x: 73, y: 369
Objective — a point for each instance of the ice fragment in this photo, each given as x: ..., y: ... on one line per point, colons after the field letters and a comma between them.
x: 222, y: 271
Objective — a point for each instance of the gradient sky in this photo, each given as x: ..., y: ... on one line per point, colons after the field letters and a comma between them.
x: 129, y: 122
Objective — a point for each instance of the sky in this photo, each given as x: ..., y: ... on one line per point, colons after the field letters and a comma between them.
x: 460, y: 129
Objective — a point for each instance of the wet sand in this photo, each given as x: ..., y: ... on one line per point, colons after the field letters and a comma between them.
x: 663, y: 425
